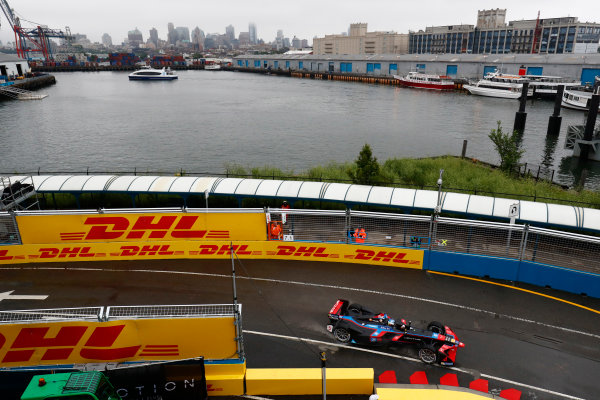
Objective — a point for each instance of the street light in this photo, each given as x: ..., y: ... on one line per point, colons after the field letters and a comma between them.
x: 438, y: 207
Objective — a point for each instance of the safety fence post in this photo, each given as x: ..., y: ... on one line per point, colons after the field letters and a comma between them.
x: 348, y: 224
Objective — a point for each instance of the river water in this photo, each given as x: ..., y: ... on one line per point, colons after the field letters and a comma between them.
x: 207, y: 119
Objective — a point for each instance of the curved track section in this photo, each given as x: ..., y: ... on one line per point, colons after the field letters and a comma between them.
x: 542, y: 342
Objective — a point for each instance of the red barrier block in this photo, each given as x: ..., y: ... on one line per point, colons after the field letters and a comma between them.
x: 449, y: 379
x: 511, y: 394
x: 419, y: 378
x: 479, y: 385
x: 388, y: 377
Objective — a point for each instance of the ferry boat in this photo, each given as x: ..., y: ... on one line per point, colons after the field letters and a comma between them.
x: 151, y: 74
x: 547, y: 86
x: 212, y: 67
x: 579, y: 99
x: 425, y: 81
x: 496, y: 84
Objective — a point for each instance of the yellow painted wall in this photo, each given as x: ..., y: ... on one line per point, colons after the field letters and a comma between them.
x: 428, y: 394
x: 308, y: 381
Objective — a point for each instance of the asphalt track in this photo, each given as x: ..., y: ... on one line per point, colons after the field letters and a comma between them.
x: 542, y: 342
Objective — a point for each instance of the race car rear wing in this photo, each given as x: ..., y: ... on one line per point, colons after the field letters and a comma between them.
x: 339, y: 308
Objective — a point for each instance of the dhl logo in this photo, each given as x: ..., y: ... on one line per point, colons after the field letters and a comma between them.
x: 359, y: 254
x: 143, y: 227
x: 98, y: 347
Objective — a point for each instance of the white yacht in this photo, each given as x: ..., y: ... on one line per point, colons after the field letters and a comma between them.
x: 151, y: 74
x: 580, y: 99
x: 500, y: 85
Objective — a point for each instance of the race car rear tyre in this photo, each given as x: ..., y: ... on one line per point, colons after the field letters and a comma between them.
x: 436, y: 327
x: 342, y: 335
x: 428, y: 354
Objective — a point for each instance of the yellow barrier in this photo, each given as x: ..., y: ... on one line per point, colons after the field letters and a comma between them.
x: 275, y: 250
x: 93, y: 228
x: 308, y: 381
x: 429, y: 394
x: 76, y: 342
x: 225, y: 379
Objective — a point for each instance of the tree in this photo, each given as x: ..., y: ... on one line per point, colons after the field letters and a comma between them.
x: 508, y: 147
x: 366, y: 170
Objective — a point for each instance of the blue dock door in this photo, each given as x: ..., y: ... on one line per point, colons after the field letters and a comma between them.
x: 393, y: 70
x: 488, y: 69
x: 534, y: 70
x: 451, y: 70
x: 588, y: 75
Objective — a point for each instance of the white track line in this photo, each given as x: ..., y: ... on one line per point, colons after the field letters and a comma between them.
x: 321, y: 285
x: 519, y: 384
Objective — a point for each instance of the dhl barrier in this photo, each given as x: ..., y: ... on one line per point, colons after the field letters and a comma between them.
x: 504, y: 251
x: 146, y: 227
x: 276, y: 250
x: 77, y: 342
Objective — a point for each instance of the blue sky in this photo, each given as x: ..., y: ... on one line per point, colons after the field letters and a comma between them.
x: 304, y: 19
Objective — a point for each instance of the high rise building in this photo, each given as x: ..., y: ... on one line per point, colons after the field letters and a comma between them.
x: 198, y: 38
x: 135, y: 38
x: 230, y: 32
x: 154, y: 36
x: 244, y: 38
x: 171, y: 35
x: 107, y: 40
x: 279, y: 40
x: 183, y: 33
x: 252, y: 33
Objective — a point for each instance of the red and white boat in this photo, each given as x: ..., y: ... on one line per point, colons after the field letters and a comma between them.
x: 425, y: 81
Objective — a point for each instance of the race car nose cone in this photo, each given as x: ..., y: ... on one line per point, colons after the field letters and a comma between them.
x: 461, y: 344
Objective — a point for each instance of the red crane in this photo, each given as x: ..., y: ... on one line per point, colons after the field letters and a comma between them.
x: 32, y: 40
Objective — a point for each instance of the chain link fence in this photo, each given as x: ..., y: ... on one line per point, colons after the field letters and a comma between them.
x: 9, y: 231
x: 512, y: 241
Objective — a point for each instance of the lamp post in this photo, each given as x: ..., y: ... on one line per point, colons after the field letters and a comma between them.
x: 438, y: 208
x: 436, y: 212
x: 323, y: 373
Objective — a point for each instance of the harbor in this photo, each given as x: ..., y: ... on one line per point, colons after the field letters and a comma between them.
x: 274, y: 114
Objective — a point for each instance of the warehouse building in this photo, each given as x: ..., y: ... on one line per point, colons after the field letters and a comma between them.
x: 492, y: 35
x: 583, y: 67
x: 359, y: 41
x: 12, y: 66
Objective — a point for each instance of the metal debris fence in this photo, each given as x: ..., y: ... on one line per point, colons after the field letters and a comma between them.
x: 170, y: 311
x: 512, y: 241
x: 52, y: 315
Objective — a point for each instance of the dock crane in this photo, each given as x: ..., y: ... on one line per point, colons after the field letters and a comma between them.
x: 32, y: 40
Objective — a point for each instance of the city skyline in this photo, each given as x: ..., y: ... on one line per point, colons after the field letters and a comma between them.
x: 96, y: 18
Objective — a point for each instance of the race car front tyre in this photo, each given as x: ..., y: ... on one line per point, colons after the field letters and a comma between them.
x: 436, y: 327
x: 342, y: 335
x: 428, y: 354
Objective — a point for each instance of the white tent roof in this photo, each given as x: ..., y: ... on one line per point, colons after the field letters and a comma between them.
x: 474, y: 205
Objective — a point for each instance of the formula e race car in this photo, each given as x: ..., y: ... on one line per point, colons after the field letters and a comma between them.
x: 353, y: 323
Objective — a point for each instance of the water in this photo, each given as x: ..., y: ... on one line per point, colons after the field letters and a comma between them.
x: 206, y: 120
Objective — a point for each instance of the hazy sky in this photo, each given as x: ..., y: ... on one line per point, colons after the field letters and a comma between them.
x: 305, y: 19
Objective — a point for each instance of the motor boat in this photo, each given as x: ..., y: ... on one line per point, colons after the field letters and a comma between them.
x: 212, y: 67
x: 547, y: 86
x: 425, y: 81
x: 580, y: 99
x: 151, y: 74
x: 496, y: 84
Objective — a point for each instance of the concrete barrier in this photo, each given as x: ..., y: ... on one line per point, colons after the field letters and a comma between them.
x: 307, y: 381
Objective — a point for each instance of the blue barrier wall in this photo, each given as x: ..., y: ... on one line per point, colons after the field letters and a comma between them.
x: 514, y: 270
